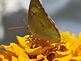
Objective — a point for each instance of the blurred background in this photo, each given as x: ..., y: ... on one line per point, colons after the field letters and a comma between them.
x: 13, y: 13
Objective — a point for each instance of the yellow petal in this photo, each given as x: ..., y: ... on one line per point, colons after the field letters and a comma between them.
x: 79, y: 52
x: 64, y: 52
x: 1, y: 57
x: 34, y: 51
x: 22, y: 41
x: 45, y: 59
x: 33, y: 60
x: 72, y: 38
x: 14, y: 58
x: 68, y: 45
x: 5, y: 54
x: 74, y: 46
x: 40, y: 56
x: 79, y: 36
x: 16, y: 47
x: 65, y: 36
x: 22, y: 58
x: 18, y: 50
x: 65, y: 58
x: 7, y: 47
x: 5, y: 60
x: 77, y: 58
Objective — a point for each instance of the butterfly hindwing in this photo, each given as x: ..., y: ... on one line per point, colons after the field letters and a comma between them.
x: 40, y: 24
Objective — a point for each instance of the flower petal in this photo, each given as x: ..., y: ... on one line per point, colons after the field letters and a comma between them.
x: 14, y: 58
x: 1, y: 57
x: 18, y: 50
x: 77, y: 58
x: 22, y: 58
x: 65, y: 36
x: 34, y: 51
x: 22, y: 41
x: 40, y: 56
x: 7, y: 47
x: 65, y: 58
x: 64, y: 52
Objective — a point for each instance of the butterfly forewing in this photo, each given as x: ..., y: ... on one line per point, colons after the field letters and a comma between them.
x: 40, y: 24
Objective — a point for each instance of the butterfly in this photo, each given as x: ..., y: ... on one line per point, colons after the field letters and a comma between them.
x: 40, y: 24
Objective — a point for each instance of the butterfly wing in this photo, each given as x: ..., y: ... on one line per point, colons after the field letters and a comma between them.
x: 40, y: 24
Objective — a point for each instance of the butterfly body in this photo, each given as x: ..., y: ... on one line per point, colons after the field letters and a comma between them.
x: 40, y: 24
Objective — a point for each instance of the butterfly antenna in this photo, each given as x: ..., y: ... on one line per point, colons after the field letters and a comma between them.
x: 25, y: 22
x: 19, y: 27
x: 13, y: 28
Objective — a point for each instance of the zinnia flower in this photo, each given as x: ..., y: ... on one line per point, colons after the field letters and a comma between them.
x: 31, y: 49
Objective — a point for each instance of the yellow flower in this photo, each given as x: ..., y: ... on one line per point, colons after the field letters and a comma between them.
x: 30, y: 49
